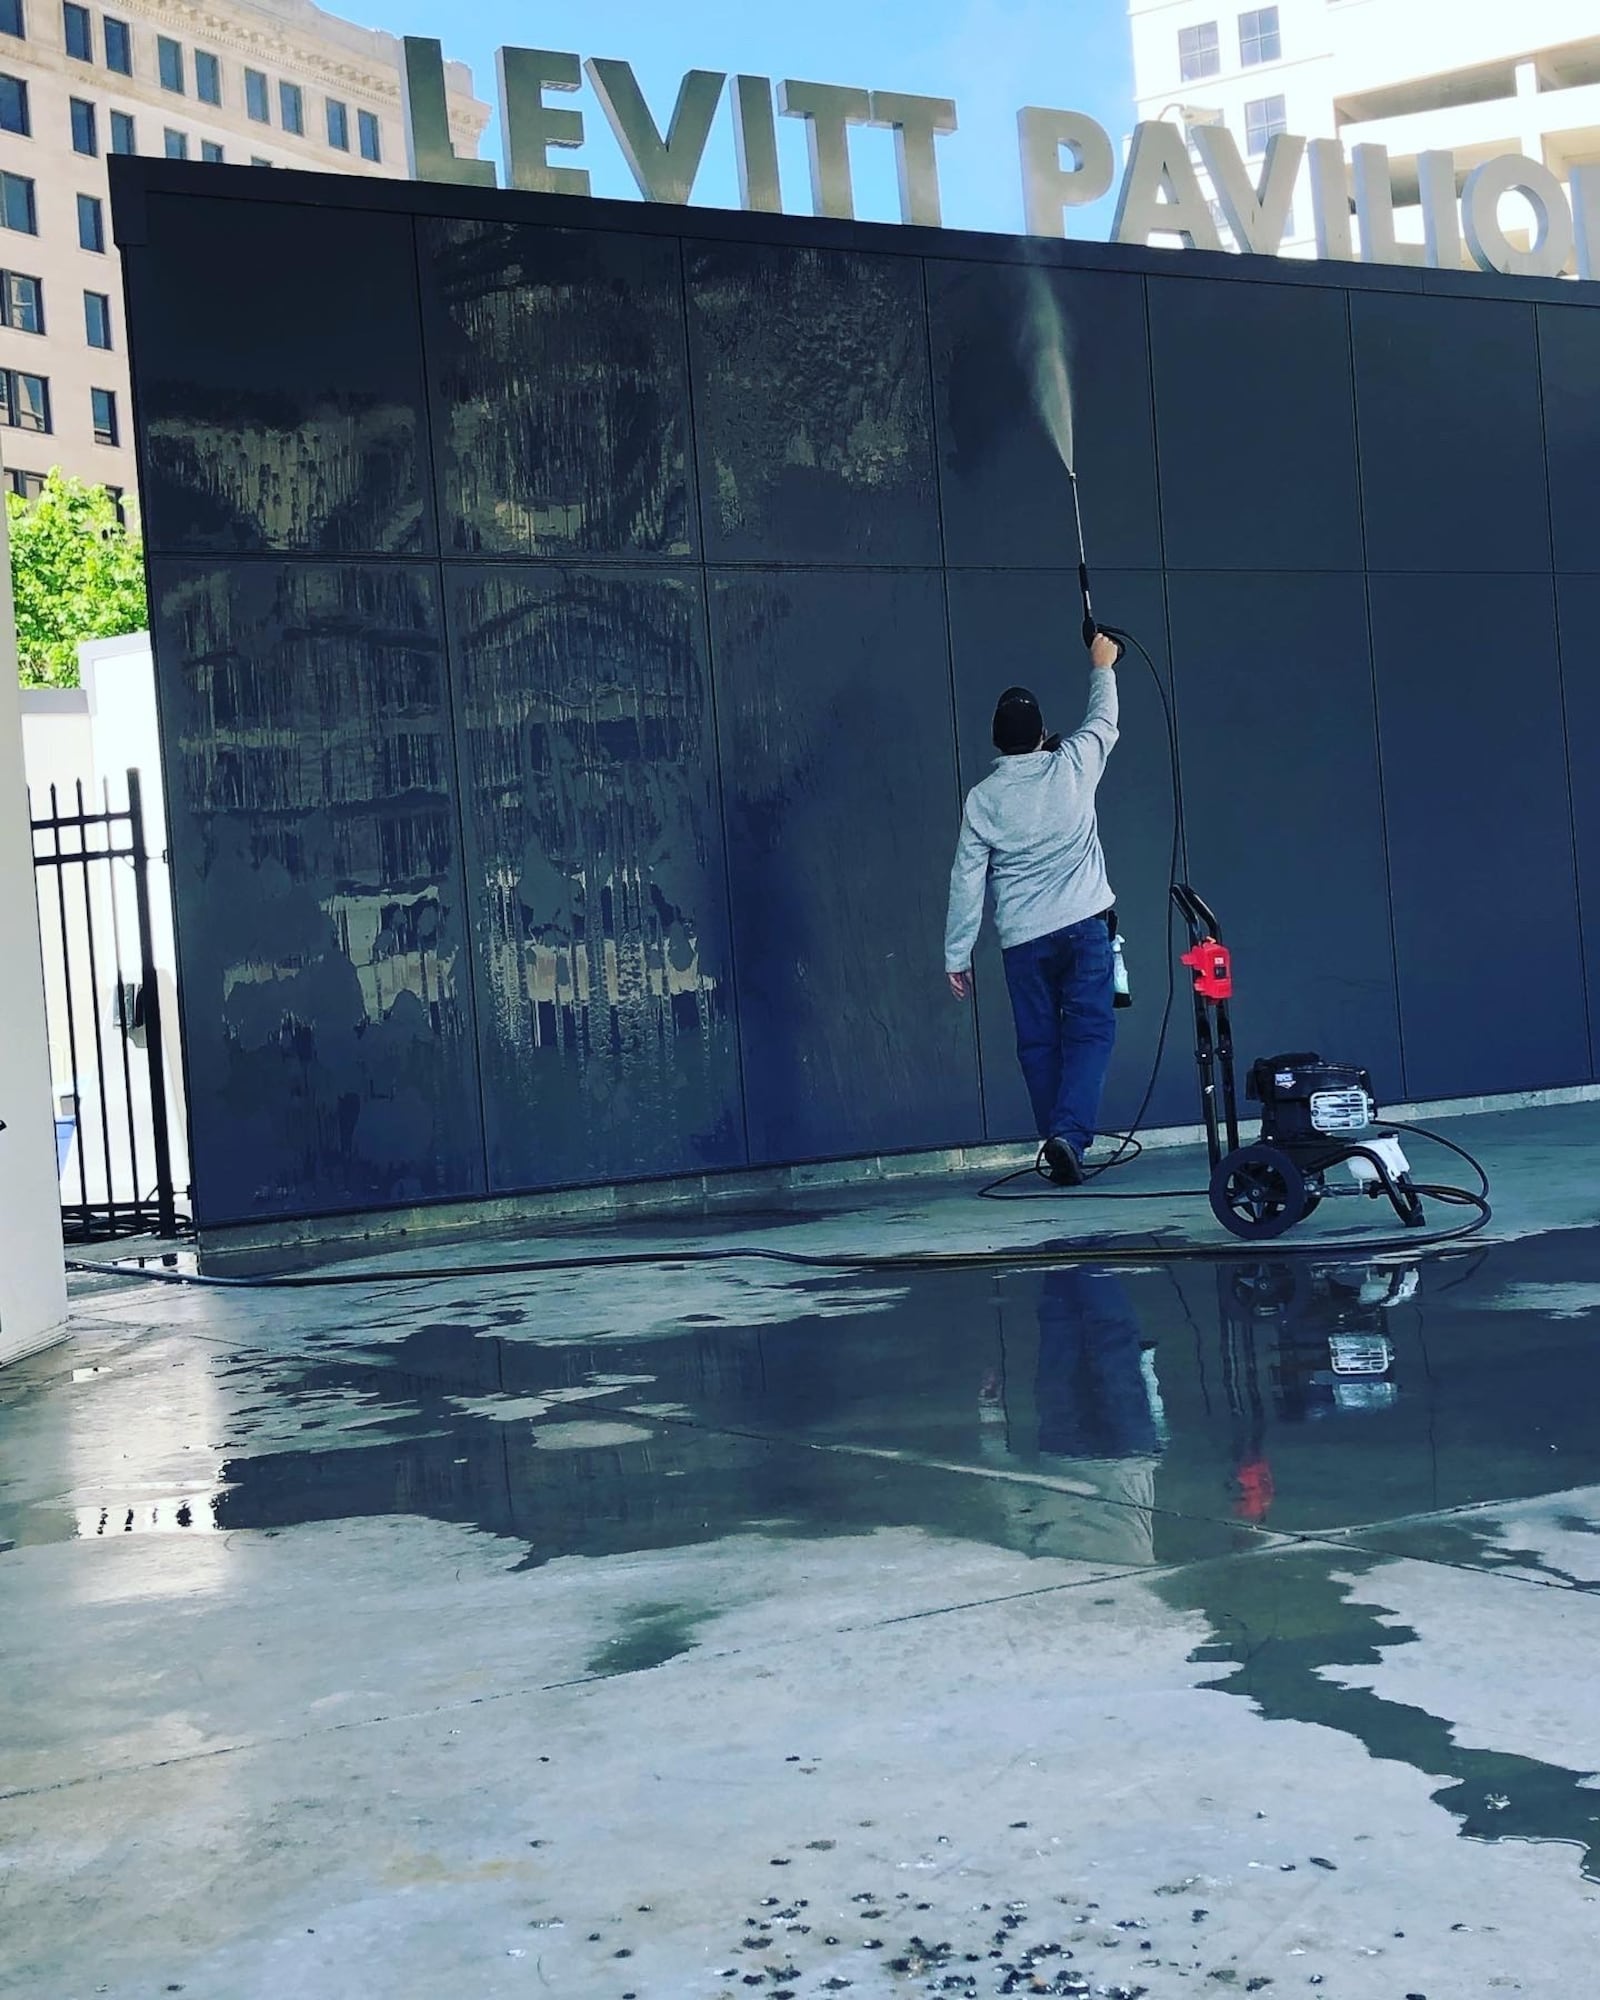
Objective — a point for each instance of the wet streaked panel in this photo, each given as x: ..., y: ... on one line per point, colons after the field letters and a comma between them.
x: 560, y: 390
x: 839, y: 777
x: 280, y: 384
x: 326, y: 996
x: 812, y: 405
x: 595, y: 865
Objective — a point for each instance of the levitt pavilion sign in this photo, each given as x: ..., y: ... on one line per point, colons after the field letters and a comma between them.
x: 1066, y: 160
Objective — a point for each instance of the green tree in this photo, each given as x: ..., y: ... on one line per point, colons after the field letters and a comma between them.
x: 76, y: 573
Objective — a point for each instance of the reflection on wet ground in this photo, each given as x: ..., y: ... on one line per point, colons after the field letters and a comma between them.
x: 1330, y: 1420
x: 1108, y: 1415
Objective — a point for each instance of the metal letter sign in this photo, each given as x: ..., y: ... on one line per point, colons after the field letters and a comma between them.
x: 1067, y: 161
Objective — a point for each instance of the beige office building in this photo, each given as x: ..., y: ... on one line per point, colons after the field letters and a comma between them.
x: 270, y: 83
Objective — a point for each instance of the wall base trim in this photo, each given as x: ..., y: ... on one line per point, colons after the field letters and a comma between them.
x: 38, y: 1343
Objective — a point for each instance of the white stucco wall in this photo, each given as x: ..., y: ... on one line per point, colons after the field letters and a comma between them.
x: 33, y: 1294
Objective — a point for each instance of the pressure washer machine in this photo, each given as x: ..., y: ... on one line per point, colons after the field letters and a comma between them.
x: 1316, y: 1116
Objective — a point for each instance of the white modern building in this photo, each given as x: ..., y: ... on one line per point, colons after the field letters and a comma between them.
x: 1413, y: 76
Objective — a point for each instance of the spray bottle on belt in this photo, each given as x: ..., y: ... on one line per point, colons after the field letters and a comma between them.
x: 1121, y: 992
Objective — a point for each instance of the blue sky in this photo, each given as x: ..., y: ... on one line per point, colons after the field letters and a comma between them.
x: 991, y: 56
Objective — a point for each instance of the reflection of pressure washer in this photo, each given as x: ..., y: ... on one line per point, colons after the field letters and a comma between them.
x: 1315, y: 1115
x: 1315, y: 1336
x: 1330, y: 1325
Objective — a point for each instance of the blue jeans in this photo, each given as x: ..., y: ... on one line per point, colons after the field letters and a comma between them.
x: 1062, y: 1002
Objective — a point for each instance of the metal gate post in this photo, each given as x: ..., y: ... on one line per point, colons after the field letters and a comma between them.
x: 166, y: 1209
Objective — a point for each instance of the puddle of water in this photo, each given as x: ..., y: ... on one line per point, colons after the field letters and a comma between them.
x: 1104, y: 1409
x: 652, y: 1635
x: 1136, y: 1417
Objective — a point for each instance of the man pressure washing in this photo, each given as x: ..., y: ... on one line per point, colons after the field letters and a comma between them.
x: 1029, y: 832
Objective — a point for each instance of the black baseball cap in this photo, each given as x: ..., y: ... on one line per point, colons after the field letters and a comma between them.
x: 1018, y: 723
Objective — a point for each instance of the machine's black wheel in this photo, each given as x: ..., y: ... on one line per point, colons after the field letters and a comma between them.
x: 1258, y: 1192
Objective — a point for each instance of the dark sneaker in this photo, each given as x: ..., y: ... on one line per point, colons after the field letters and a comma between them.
x: 1062, y: 1164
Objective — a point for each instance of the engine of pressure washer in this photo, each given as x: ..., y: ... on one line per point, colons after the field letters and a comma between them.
x: 1303, y: 1098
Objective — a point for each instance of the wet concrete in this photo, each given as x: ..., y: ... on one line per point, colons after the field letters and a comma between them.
x: 716, y: 1630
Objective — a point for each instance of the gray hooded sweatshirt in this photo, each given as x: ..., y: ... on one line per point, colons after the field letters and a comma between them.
x: 1029, y: 831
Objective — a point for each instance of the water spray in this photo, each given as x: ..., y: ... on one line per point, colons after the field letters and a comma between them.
x: 1048, y: 347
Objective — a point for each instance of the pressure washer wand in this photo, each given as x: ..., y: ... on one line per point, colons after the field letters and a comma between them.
x: 1090, y: 624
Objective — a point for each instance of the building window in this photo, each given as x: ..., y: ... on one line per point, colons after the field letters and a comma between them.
x: 1199, y: 51
x: 75, y: 23
x: 207, y: 77
x: 119, y: 46
x: 24, y: 401
x: 29, y: 484
x: 210, y: 150
x: 367, y: 124
x: 12, y: 23
x: 91, y: 223
x: 255, y: 97
x: 1259, y: 40
x: 257, y: 161
x: 177, y: 145
x: 17, y: 210
x: 338, y: 125
x: 1263, y: 118
x: 103, y: 402
x: 122, y: 140
x: 292, y: 107
x: 115, y: 494
x: 97, y: 319
x: 14, y: 105
x: 169, y: 63
x: 21, y: 302
x: 85, y: 133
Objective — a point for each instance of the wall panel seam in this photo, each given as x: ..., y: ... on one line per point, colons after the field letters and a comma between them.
x: 707, y: 629
x: 452, y: 695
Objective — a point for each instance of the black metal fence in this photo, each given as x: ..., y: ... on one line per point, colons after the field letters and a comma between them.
x: 114, y: 1153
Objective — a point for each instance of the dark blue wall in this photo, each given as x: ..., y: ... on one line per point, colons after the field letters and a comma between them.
x: 576, y: 624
